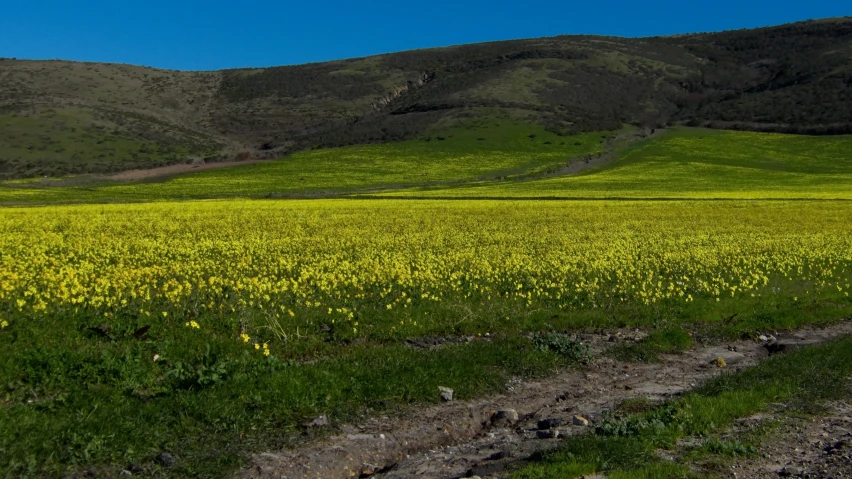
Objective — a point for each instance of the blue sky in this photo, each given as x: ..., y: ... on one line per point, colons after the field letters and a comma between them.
x: 206, y: 35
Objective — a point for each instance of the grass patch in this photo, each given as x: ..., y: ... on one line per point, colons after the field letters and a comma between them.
x: 668, y: 340
x: 210, y: 406
x: 49, y: 142
x: 694, y: 163
x: 624, y: 446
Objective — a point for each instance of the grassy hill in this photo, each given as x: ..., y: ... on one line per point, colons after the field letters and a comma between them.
x: 485, y: 148
x: 693, y: 163
x: 59, y: 118
x: 498, y: 158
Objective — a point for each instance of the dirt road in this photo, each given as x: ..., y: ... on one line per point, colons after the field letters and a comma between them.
x: 463, y: 439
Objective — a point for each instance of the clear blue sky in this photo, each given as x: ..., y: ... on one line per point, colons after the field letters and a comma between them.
x: 206, y: 35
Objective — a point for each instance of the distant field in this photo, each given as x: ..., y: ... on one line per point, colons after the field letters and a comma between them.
x: 483, y: 148
x: 688, y: 163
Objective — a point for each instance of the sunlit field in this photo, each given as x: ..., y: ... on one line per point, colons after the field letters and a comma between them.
x: 219, y: 327
x: 486, y: 149
x: 695, y: 164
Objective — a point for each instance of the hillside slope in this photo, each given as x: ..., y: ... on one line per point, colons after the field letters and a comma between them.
x: 60, y: 117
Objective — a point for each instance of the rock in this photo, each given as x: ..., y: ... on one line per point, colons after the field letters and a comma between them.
x: 125, y: 473
x: 486, y: 469
x: 166, y: 460
x: 368, y: 470
x: 719, y: 362
x: 446, y: 393
x: 504, y: 417
x: 777, y: 347
x: 360, y: 437
x: 791, y: 471
x: 497, y: 456
x: 547, y: 434
x: 579, y: 420
x: 319, y: 421
x: 549, y: 423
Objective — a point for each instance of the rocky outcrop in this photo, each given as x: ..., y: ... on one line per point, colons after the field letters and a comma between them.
x: 399, y: 90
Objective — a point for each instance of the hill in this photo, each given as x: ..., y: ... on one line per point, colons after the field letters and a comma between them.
x: 59, y: 117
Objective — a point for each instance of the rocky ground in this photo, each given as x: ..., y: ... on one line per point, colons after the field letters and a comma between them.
x: 486, y: 437
x: 818, y: 447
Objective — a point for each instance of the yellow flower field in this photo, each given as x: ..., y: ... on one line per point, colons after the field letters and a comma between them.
x: 351, y: 260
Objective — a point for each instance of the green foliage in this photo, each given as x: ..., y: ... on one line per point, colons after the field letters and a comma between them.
x: 74, y: 141
x: 563, y: 345
x: 668, y: 340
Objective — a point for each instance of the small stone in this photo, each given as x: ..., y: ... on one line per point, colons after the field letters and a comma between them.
x: 719, y: 362
x: 368, y: 470
x: 446, y: 393
x: 549, y: 423
x: 504, y: 417
x: 547, y: 434
x: 166, y: 460
x: 319, y: 421
x: 125, y: 473
x: 578, y: 420
x: 791, y: 471
x: 497, y: 456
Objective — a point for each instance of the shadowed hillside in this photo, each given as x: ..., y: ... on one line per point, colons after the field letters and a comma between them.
x: 61, y: 117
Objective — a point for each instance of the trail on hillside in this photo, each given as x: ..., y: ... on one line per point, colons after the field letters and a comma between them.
x: 474, y: 438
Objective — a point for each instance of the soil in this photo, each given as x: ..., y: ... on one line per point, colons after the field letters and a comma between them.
x: 463, y: 439
x: 814, y: 447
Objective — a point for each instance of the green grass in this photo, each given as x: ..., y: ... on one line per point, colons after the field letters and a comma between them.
x: 103, y: 405
x: 625, y: 447
x: 57, y: 142
x: 694, y: 163
x: 668, y: 340
x: 476, y: 149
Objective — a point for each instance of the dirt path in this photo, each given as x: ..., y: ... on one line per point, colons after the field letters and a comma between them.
x: 611, y: 152
x: 466, y: 438
x: 163, y: 171
x: 816, y: 447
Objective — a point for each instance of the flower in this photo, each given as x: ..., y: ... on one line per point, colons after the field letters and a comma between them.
x: 256, y: 346
x: 193, y: 324
x: 245, y: 337
x: 4, y: 324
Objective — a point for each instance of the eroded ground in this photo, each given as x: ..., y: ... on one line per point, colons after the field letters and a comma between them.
x: 483, y: 438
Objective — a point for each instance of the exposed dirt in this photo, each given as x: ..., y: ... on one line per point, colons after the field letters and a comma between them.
x: 817, y: 447
x: 467, y: 438
x: 135, y: 175
x: 614, y: 150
